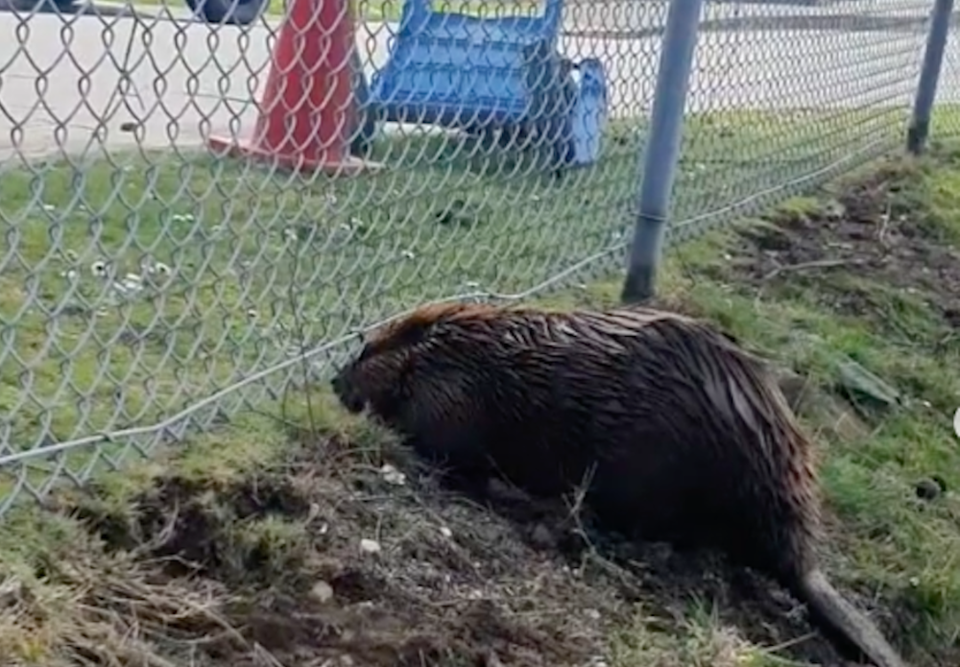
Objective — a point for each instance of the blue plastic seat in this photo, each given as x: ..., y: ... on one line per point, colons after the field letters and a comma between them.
x: 482, y: 74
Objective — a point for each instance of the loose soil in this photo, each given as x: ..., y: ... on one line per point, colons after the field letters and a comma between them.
x: 452, y: 583
x: 869, y: 233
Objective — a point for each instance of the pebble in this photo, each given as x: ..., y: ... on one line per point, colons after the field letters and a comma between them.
x: 392, y: 476
x: 322, y: 592
x: 369, y: 546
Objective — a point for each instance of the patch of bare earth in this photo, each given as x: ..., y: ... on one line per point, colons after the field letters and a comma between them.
x: 868, y: 231
x: 327, y: 560
x: 367, y: 571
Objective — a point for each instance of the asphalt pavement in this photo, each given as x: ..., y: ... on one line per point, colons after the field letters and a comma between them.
x: 78, y: 84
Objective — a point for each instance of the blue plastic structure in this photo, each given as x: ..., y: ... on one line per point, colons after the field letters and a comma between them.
x: 491, y: 74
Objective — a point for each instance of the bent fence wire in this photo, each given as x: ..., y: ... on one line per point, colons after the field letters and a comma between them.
x: 152, y: 286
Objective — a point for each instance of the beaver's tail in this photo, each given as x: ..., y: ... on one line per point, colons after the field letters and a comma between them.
x: 842, y: 622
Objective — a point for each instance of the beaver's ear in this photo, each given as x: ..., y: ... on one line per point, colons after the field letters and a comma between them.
x: 411, y: 332
x: 416, y: 333
x: 404, y: 333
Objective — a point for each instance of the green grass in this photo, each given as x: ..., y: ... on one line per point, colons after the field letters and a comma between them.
x: 265, y: 264
x: 905, y: 549
x: 891, y: 541
x: 260, y: 260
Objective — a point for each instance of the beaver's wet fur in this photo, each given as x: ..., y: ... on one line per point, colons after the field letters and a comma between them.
x: 683, y: 435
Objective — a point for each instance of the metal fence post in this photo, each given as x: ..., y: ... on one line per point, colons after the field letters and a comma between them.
x: 929, y: 74
x: 662, y: 148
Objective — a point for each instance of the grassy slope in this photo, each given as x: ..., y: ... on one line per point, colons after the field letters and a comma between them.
x: 898, y: 322
x: 895, y: 547
x: 250, y: 249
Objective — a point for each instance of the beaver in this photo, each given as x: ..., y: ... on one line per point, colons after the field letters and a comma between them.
x: 684, y: 435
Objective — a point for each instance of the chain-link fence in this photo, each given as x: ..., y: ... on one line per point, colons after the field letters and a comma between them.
x: 155, y: 279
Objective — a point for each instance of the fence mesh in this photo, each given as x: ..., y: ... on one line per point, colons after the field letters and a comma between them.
x: 150, y: 285
x: 946, y: 122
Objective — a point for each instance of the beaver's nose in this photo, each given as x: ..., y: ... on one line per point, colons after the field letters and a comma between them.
x: 337, y: 384
x: 345, y: 395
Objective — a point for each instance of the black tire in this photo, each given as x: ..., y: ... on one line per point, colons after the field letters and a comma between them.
x: 238, y: 12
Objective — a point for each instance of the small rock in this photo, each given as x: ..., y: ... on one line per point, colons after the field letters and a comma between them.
x: 392, y: 476
x: 446, y: 532
x: 369, y: 546
x: 322, y: 592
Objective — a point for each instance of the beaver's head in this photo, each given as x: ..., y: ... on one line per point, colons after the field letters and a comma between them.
x: 375, y: 378
x: 406, y: 360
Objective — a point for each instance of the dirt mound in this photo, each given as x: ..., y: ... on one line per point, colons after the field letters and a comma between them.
x: 334, y: 559
x: 326, y: 558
